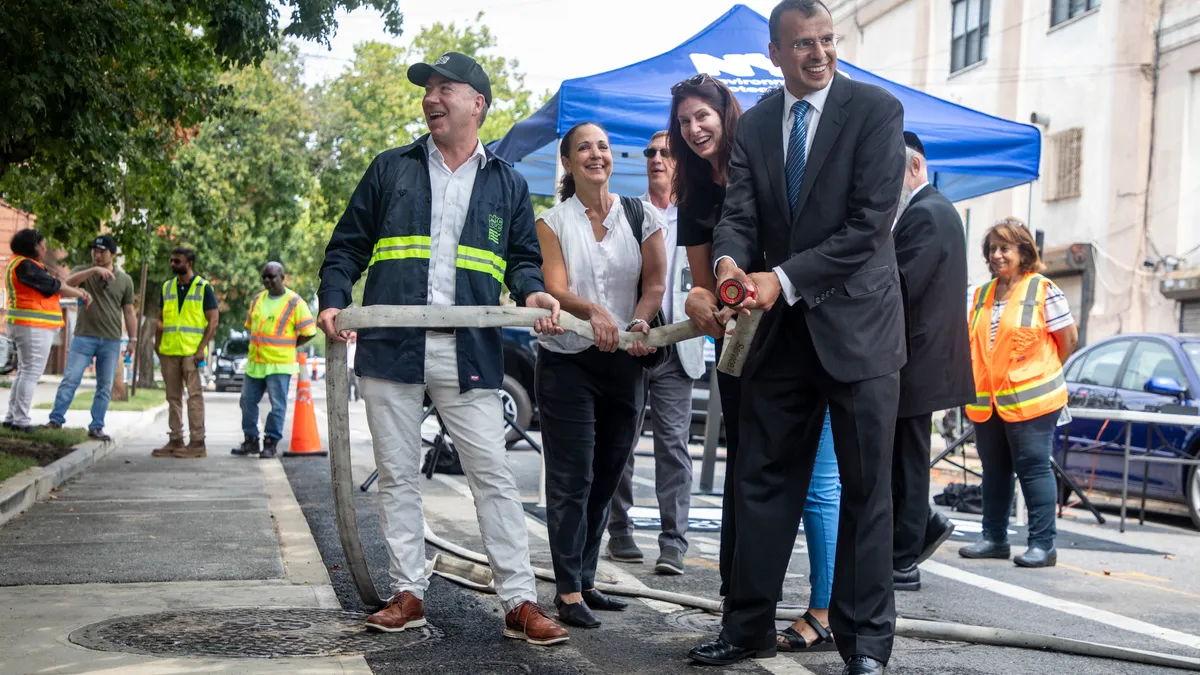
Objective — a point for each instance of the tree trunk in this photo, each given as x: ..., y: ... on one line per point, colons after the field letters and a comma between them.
x: 145, y: 356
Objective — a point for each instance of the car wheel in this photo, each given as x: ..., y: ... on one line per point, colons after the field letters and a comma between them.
x: 1193, y: 497
x: 517, y: 404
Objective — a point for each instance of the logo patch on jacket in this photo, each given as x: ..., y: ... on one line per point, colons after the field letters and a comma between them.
x: 495, y: 225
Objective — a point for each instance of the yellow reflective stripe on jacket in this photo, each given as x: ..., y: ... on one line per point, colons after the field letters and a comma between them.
x: 1032, y: 392
x: 1030, y: 304
x: 980, y: 299
x: 399, y: 248
x: 34, y: 314
x: 481, y: 260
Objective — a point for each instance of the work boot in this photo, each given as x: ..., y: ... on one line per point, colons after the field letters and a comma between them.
x: 529, y: 622
x: 50, y: 425
x: 169, y: 449
x: 97, y: 434
x: 624, y: 549
x: 402, y: 612
x: 193, y: 450
x: 248, y: 447
x: 268, y: 451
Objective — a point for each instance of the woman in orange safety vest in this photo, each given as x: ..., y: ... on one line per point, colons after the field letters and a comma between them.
x: 1021, y: 333
x: 34, y: 315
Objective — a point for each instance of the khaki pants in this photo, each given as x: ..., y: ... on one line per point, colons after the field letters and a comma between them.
x: 178, y: 371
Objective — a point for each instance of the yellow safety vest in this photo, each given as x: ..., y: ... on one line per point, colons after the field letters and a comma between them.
x: 183, y: 329
x: 27, y: 306
x: 273, y: 338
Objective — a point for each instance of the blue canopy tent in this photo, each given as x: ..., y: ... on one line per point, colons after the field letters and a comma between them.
x: 970, y: 153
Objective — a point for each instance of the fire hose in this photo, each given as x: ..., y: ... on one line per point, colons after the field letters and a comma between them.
x: 468, y: 571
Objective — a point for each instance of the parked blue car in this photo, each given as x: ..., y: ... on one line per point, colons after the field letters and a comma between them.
x: 1142, y: 372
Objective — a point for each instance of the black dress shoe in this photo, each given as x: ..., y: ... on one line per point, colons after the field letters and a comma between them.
x: 937, y: 530
x: 907, y: 578
x: 597, y: 600
x: 862, y: 665
x: 1037, y: 557
x: 986, y: 549
x: 718, y: 652
x: 576, y: 614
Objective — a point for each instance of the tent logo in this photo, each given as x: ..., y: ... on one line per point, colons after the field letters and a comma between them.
x: 742, y: 68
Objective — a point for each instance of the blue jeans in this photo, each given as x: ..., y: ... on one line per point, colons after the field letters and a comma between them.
x: 276, y: 387
x: 1023, y: 447
x: 83, y: 349
x: 821, y: 511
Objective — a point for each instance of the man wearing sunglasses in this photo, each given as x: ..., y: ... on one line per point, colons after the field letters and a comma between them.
x: 669, y: 392
x: 279, y: 321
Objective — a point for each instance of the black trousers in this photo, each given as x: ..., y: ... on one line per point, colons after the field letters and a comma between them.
x: 784, y: 396
x: 589, y: 404
x: 910, y: 487
x: 731, y: 402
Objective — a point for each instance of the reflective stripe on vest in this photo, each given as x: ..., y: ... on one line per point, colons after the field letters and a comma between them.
x: 1021, y: 344
x: 419, y: 247
x: 274, y: 342
x: 183, y: 328
x: 26, y: 305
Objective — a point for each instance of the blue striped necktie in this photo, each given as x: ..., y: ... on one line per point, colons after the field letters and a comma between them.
x: 796, y: 156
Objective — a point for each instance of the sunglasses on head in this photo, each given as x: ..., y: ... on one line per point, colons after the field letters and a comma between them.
x: 694, y: 81
x: 650, y: 152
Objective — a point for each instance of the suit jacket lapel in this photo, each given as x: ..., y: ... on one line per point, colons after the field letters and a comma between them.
x: 771, y: 139
x: 828, y: 129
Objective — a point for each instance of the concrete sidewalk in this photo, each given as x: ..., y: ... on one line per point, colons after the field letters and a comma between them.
x: 137, y: 535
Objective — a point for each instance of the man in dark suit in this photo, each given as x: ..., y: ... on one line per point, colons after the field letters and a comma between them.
x: 932, y: 252
x: 814, y: 179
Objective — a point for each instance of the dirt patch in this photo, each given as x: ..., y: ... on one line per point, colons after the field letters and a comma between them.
x: 43, y: 453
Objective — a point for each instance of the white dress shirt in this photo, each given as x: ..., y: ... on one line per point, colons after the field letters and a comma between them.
x: 670, y: 239
x: 450, y: 192
x: 603, y: 272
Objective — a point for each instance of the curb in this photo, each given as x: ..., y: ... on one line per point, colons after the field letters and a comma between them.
x: 25, y: 489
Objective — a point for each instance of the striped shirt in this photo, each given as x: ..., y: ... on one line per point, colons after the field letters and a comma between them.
x: 1056, y: 312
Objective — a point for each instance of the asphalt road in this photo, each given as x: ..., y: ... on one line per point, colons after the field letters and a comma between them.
x: 1136, y: 590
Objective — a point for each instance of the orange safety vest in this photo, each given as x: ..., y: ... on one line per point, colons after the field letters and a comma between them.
x: 27, y: 306
x: 1019, y: 374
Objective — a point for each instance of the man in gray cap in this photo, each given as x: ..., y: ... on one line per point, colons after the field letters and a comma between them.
x: 97, y: 333
x: 442, y: 222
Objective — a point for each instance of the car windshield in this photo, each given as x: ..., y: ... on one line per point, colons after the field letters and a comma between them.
x: 1192, y: 349
x: 236, y: 348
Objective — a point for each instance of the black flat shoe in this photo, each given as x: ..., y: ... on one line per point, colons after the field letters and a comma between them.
x: 576, y: 614
x: 862, y: 665
x: 1037, y: 557
x: 907, y: 579
x: 985, y: 549
x: 606, y: 603
x: 937, y: 530
x: 718, y: 652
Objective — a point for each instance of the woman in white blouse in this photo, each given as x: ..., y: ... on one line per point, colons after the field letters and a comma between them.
x: 589, y: 395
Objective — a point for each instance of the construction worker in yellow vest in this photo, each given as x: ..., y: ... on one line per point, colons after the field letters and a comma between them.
x: 188, y: 321
x: 279, y: 321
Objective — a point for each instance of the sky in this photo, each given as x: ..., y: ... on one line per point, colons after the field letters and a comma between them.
x: 554, y: 40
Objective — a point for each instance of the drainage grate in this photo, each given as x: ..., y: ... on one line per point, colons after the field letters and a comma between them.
x: 246, y: 633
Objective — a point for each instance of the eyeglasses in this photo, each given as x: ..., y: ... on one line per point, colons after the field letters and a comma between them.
x: 805, y: 46
x: 650, y: 152
x: 694, y: 81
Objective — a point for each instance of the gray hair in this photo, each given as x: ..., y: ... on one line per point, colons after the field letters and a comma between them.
x: 657, y: 135
x: 483, y: 114
x: 909, y: 153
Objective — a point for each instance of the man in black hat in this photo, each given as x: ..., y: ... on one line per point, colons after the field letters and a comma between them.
x: 97, y: 333
x: 442, y: 222
x: 931, y: 250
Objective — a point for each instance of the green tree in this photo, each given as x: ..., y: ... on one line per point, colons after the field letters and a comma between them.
x: 373, y: 107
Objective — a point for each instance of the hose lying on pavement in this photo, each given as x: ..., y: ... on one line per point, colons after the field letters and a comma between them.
x: 472, y: 572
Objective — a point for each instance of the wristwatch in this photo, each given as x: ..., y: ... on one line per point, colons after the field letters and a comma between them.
x: 634, y: 323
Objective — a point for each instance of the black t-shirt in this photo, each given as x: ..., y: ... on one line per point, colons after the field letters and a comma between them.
x: 210, y: 298
x: 699, y: 216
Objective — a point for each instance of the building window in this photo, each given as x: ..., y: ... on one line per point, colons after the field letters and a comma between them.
x: 1061, y: 10
x: 969, y: 37
x: 1066, y: 161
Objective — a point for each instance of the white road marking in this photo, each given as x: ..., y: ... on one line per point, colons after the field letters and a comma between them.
x: 1066, y: 606
x: 782, y: 665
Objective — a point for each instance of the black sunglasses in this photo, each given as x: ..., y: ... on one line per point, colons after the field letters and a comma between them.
x: 650, y: 152
x: 694, y: 81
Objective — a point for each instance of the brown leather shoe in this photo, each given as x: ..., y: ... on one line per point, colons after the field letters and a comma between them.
x: 167, y: 450
x: 529, y: 622
x: 402, y: 612
x: 193, y: 450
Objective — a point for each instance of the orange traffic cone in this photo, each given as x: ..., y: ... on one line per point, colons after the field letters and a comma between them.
x: 306, y: 440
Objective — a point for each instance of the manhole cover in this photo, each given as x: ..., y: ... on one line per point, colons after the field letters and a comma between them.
x: 245, y: 633
x: 695, y: 621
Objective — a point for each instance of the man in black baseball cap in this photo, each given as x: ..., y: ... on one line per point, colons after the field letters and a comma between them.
x: 456, y: 67
x: 104, y: 242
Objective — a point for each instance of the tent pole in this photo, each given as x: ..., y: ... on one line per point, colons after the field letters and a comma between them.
x: 559, y: 172
x: 1029, y: 211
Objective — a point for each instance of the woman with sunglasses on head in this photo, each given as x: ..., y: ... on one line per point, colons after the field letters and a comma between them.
x: 704, y: 119
x: 590, y: 394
